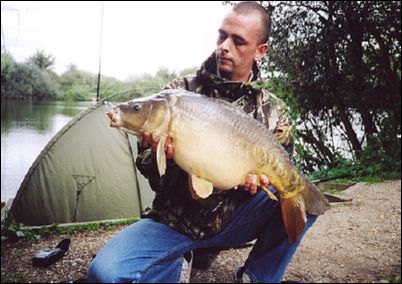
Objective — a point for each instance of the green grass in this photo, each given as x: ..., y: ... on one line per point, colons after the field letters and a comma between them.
x: 17, y: 277
x: 393, y: 278
x: 371, y: 178
x: 358, y: 172
x: 16, y: 230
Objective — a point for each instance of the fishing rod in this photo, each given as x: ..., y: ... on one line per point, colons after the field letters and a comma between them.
x: 128, y: 91
x: 100, y: 54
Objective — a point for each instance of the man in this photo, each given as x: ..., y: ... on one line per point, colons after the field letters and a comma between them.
x: 152, y: 249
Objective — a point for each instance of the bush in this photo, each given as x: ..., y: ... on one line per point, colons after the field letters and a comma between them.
x: 23, y: 81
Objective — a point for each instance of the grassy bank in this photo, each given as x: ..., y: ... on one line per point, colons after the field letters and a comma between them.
x: 17, y: 230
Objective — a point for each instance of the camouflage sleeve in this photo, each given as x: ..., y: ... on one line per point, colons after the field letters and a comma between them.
x: 146, y: 164
x: 280, y: 124
x: 181, y: 82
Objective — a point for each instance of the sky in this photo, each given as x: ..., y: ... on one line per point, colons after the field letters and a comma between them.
x: 138, y: 37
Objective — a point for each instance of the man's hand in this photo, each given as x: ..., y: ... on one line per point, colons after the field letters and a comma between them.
x: 148, y: 141
x: 252, y: 183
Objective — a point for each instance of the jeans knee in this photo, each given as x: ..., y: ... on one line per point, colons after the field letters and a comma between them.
x: 102, y: 271
x: 96, y: 272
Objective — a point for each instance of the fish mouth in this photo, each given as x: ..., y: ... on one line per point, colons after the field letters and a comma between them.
x: 113, y: 113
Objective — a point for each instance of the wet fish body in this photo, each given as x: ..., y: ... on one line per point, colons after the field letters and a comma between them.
x: 218, y: 145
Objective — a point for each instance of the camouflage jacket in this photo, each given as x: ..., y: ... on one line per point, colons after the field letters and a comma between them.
x: 173, y: 204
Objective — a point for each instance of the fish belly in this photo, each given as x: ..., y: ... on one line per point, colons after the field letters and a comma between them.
x: 203, y: 149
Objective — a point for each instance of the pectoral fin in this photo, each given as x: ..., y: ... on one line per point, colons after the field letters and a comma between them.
x: 161, y: 156
x: 200, y: 188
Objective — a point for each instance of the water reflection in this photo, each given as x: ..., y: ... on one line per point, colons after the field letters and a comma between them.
x: 37, y: 115
x: 26, y: 128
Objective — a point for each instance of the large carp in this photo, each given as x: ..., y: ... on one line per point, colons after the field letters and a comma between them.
x: 218, y: 145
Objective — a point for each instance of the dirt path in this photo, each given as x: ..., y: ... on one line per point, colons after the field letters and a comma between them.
x: 358, y: 241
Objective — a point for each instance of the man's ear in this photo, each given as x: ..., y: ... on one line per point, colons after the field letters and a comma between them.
x: 261, y: 50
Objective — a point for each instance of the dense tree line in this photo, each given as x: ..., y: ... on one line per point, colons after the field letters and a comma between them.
x: 25, y: 80
x: 337, y: 65
x: 34, y: 79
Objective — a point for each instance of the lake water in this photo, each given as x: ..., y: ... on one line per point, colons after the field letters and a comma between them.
x: 26, y: 128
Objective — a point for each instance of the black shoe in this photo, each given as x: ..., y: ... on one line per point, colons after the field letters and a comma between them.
x: 48, y: 256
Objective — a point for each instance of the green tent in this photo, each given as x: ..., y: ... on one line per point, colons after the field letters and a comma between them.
x: 85, y: 173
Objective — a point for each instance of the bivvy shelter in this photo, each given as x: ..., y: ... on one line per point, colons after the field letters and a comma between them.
x: 85, y: 173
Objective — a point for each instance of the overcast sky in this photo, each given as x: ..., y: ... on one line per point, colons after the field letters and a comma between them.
x: 138, y: 37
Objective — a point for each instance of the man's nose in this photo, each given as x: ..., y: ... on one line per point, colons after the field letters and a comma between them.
x: 225, y: 45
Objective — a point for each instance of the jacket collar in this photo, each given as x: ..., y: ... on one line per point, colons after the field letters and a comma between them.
x: 235, y: 89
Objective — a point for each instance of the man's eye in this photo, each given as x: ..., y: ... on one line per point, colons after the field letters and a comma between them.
x: 238, y: 41
x: 221, y: 37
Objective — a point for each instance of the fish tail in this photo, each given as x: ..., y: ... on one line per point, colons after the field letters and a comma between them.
x: 294, y: 209
x: 293, y: 215
x: 316, y: 202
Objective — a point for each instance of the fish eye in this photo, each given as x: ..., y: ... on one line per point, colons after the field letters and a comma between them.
x: 136, y: 107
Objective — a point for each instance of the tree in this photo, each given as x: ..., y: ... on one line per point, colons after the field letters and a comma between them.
x: 8, y: 66
x: 42, y: 60
x: 25, y: 81
x: 165, y: 75
x: 337, y: 64
x: 77, y: 85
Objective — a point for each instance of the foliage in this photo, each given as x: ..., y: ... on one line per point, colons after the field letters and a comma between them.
x: 16, y: 230
x: 77, y: 85
x: 337, y: 66
x: 357, y: 171
x: 16, y: 277
x: 8, y: 66
x: 34, y: 79
x: 146, y: 84
x: 41, y: 60
x: 393, y: 278
x: 24, y: 80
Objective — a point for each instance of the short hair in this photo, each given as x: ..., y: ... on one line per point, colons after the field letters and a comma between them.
x: 248, y: 7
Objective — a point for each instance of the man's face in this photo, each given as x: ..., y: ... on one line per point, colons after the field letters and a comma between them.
x: 239, y: 45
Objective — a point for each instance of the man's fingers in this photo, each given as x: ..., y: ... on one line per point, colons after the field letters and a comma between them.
x: 253, y: 186
x: 146, y: 139
x: 248, y: 182
x: 169, y: 148
x: 253, y: 181
x: 264, y: 180
x: 155, y: 142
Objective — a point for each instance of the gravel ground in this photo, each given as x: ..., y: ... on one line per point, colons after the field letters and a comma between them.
x: 357, y: 241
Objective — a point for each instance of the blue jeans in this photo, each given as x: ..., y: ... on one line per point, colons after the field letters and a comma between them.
x: 148, y: 251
